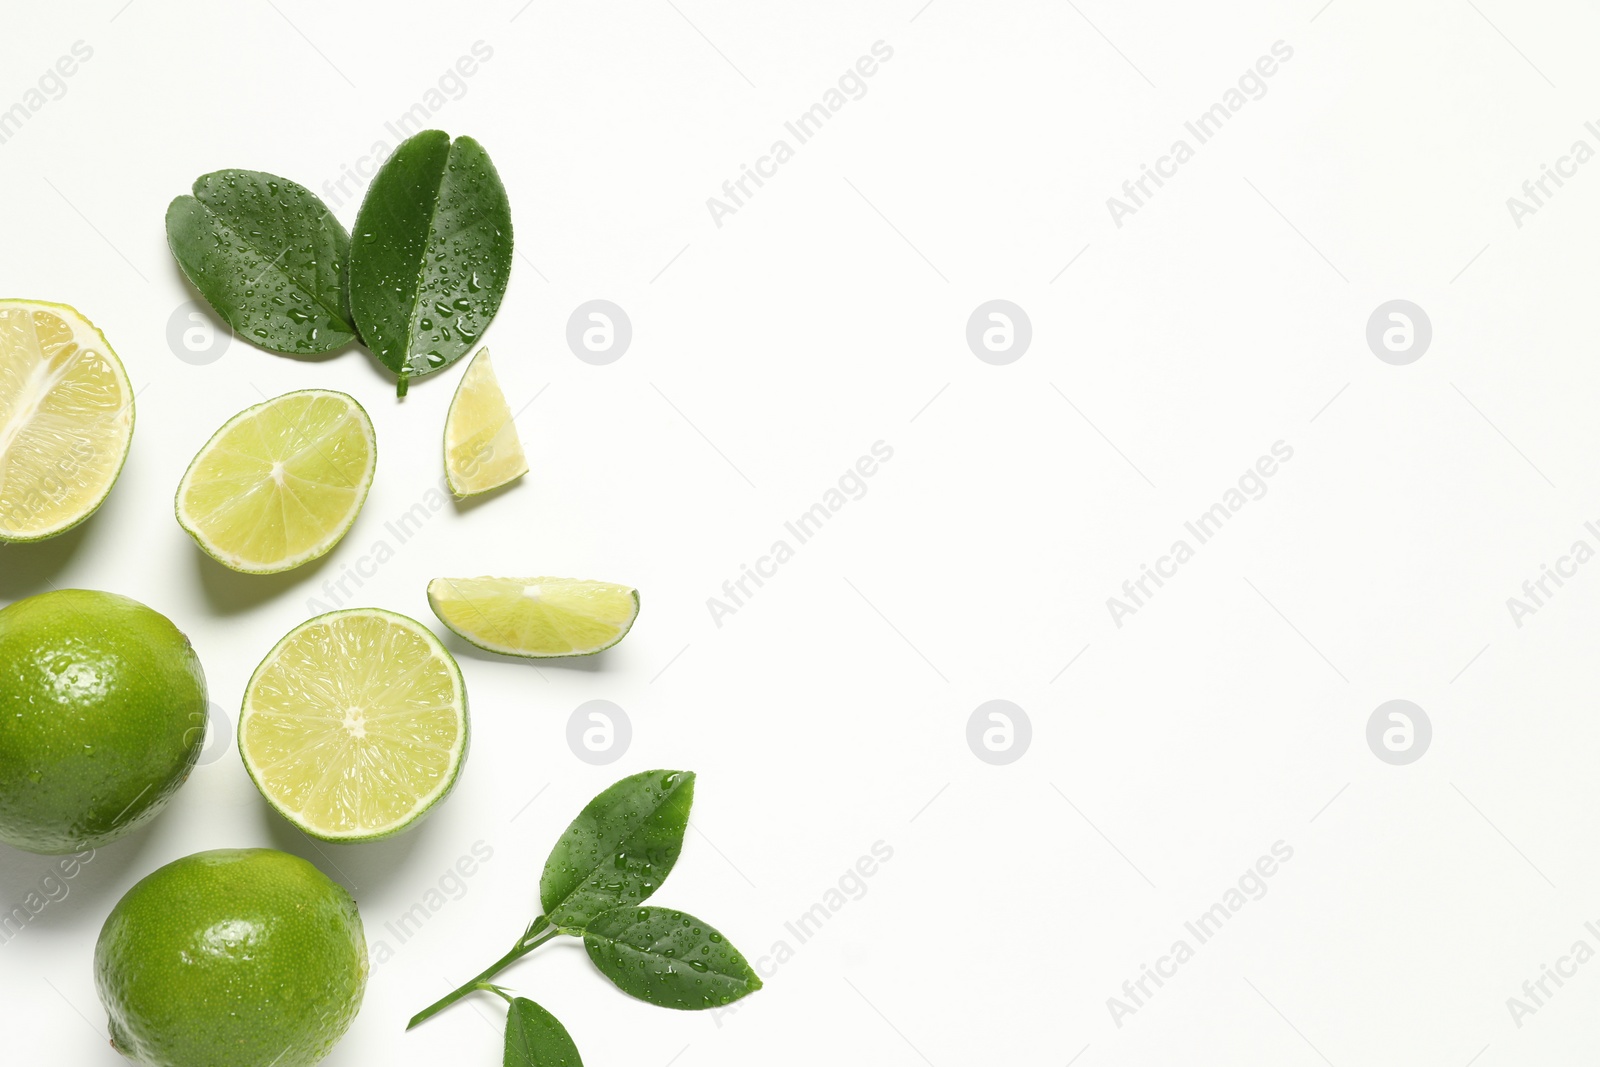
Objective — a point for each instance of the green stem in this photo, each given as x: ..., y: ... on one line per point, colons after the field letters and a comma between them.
x: 534, y: 936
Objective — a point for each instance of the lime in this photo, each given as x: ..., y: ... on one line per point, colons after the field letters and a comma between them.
x: 355, y: 725
x: 66, y: 418
x: 233, y: 958
x: 281, y: 482
x: 535, y: 617
x: 102, y: 715
x: 481, y: 449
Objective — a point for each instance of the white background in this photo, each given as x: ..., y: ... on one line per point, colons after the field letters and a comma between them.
x: 828, y: 313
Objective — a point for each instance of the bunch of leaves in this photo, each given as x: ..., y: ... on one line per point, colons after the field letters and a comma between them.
x: 613, y: 856
x: 418, y: 284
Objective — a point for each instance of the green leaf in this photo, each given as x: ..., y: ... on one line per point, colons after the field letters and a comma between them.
x: 619, y: 849
x: 535, y: 1038
x: 269, y: 256
x: 668, y: 958
x: 431, y: 255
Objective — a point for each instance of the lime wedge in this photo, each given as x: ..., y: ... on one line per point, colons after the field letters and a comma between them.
x: 281, y: 482
x: 535, y: 617
x: 66, y: 419
x: 355, y: 725
x: 481, y: 449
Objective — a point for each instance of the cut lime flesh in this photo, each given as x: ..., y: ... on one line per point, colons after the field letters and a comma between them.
x: 481, y: 448
x: 355, y: 725
x: 281, y: 482
x: 537, y: 618
x: 66, y: 419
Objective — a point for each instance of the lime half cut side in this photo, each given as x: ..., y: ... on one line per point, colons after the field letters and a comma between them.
x: 66, y: 419
x: 537, y: 618
x: 481, y: 448
x: 355, y: 725
x: 281, y: 482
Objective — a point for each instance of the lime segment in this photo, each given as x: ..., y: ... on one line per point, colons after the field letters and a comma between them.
x: 481, y: 449
x: 535, y: 617
x: 66, y: 419
x: 281, y: 482
x: 355, y: 725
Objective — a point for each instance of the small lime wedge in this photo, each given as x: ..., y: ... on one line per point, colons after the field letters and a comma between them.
x: 281, y: 482
x: 66, y: 419
x: 481, y: 449
x: 355, y: 725
x: 536, y: 618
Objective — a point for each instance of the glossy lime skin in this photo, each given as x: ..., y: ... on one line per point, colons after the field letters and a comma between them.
x: 231, y: 958
x: 102, y: 716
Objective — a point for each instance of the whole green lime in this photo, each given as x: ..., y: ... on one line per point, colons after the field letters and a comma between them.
x: 102, y: 715
x: 233, y: 958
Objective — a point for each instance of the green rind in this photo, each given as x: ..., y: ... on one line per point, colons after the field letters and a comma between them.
x: 232, y: 957
x: 234, y: 279
x: 507, y: 651
x: 619, y: 849
x: 102, y: 717
x: 425, y: 196
x: 126, y: 448
x: 372, y: 435
x: 448, y: 788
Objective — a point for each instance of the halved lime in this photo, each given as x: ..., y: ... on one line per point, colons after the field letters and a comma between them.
x: 66, y: 419
x: 537, y: 618
x: 355, y: 725
x: 281, y: 482
x: 481, y: 449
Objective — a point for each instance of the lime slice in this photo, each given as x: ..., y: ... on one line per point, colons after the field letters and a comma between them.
x: 281, y: 482
x: 535, y: 617
x: 66, y: 418
x: 481, y: 449
x: 355, y: 725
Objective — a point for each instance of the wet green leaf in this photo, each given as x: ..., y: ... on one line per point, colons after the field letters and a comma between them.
x: 535, y: 1038
x: 668, y: 958
x: 619, y: 849
x: 269, y: 256
x: 431, y: 254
